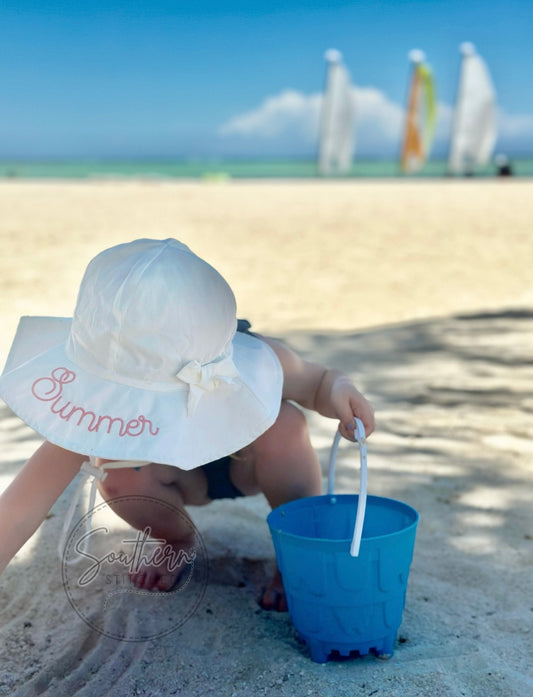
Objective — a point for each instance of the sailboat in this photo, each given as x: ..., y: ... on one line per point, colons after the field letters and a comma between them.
x: 337, y: 119
x: 420, y: 115
x: 474, y: 128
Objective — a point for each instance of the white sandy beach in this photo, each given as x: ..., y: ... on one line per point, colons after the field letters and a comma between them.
x: 422, y: 292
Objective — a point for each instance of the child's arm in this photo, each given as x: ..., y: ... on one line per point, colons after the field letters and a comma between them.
x: 26, y: 502
x: 329, y: 392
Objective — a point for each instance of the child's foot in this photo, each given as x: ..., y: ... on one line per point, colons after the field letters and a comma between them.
x: 162, y: 568
x: 274, y: 596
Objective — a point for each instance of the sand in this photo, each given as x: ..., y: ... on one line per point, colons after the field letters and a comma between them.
x: 421, y: 291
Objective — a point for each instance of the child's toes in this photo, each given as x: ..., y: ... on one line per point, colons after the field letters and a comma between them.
x: 274, y: 597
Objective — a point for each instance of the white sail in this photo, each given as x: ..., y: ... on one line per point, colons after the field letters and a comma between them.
x: 337, y: 127
x: 474, y: 122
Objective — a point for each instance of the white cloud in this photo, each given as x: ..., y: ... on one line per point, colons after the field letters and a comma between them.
x: 293, y: 117
x: 288, y: 122
x: 284, y: 112
x: 377, y: 116
x: 516, y: 125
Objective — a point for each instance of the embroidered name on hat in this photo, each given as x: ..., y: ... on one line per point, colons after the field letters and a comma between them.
x: 50, y: 389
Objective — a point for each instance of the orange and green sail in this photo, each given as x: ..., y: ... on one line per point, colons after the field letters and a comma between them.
x: 420, y: 119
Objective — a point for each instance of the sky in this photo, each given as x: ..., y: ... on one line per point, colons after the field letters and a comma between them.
x: 208, y: 79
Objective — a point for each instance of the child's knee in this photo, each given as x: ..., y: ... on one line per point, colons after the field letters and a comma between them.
x: 121, y: 482
x: 289, y: 432
x: 286, y: 466
x: 291, y: 422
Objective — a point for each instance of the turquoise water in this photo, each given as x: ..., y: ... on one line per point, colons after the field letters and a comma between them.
x: 221, y: 170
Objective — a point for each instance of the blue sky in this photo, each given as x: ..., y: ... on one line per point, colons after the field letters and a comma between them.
x: 123, y: 78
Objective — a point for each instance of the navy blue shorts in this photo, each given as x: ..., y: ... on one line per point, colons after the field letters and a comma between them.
x: 219, y: 484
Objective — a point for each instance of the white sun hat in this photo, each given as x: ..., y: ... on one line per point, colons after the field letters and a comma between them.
x: 150, y: 368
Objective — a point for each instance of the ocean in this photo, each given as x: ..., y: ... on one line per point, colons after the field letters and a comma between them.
x: 222, y: 170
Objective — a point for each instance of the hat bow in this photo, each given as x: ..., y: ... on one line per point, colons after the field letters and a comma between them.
x: 206, y: 378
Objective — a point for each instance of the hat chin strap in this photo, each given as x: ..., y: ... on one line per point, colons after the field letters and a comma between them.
x: 89, y: 469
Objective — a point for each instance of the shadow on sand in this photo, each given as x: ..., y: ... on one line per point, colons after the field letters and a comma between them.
x: 453, y: 399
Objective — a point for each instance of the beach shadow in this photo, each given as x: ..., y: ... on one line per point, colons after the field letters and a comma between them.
x: 457, y: 389
x: 453, y: 399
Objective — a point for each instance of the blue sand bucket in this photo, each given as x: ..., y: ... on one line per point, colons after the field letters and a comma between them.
x: 345, y: 562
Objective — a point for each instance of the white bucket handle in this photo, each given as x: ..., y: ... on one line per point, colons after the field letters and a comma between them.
x: 359, y: 433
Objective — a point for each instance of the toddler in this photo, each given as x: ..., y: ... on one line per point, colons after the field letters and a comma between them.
x: 170, y: 396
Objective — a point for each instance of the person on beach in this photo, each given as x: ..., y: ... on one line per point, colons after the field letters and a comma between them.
x: 170, y: 396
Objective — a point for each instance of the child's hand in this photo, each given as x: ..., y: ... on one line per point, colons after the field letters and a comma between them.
x: 349, y: 403
x: 324, y: 390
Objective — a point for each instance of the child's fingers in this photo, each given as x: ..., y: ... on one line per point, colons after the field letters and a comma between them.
x: 363, y: 410
x: 347, y: 425
x: 347, y: 431
x: 350, y: 403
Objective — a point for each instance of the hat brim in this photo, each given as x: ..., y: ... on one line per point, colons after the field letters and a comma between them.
x: 85, y: 413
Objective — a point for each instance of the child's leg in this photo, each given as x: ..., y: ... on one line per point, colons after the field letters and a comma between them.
x: 171, y: 523
x: 284, y: 466
x: 281, y: 463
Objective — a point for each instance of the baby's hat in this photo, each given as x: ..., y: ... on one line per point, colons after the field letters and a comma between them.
x: 150, y: 367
